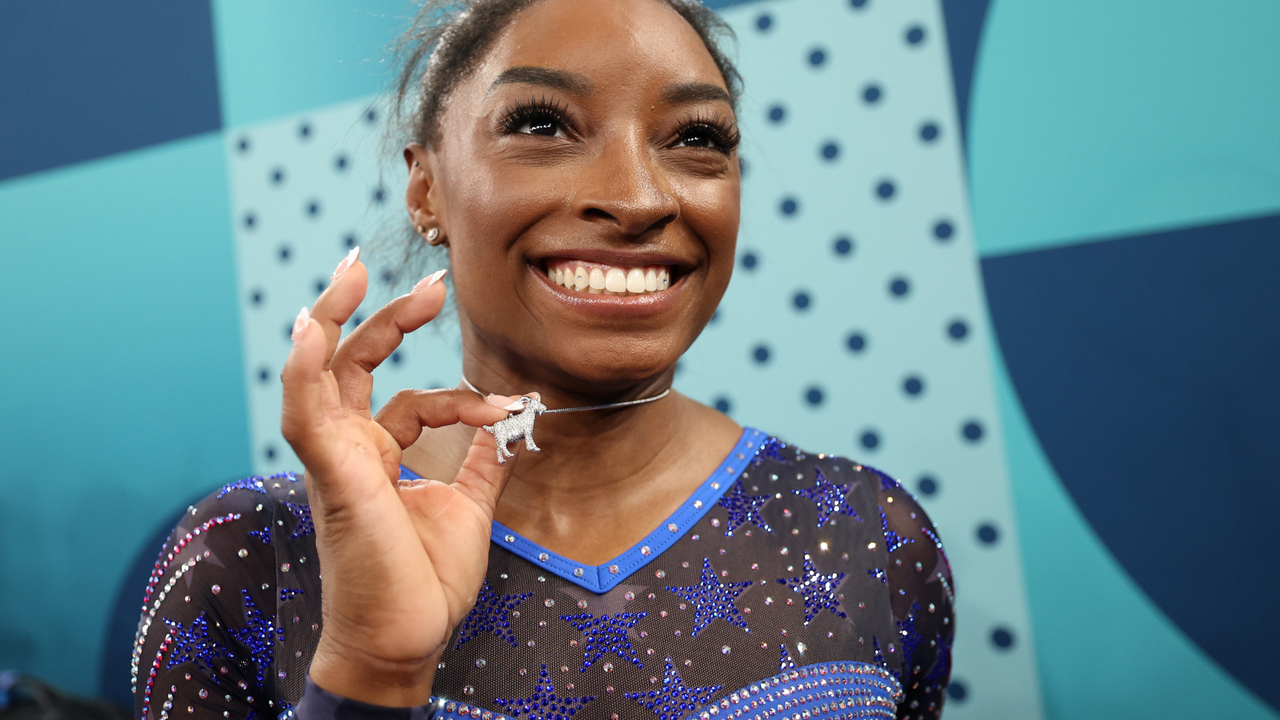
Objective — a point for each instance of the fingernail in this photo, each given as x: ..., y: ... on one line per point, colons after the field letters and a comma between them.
x: 304, y: 317
x: 506, y: 402
x: 429, y: 280
x: 347, y: 262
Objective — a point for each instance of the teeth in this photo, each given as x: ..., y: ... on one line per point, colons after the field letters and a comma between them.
x: 606, y: 280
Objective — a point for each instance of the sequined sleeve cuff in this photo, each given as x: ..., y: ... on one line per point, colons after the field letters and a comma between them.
x: 320, y: 704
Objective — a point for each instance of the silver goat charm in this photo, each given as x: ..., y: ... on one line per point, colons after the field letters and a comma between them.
x: 517, y: 425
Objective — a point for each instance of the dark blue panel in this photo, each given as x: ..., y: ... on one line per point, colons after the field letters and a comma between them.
x: 1150, y: 369
x: 80, y: 80
x: 964, y: 19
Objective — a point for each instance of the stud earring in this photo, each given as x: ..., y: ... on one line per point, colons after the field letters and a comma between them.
x: 432, y: 236
x: 421, y: 229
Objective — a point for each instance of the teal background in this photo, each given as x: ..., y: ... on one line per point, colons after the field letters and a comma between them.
x: 1086, y: 121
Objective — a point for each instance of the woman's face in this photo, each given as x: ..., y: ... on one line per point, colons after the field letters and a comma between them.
x: 596, y: 139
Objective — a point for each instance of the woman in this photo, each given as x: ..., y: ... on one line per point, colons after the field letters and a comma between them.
x: 578, y: 159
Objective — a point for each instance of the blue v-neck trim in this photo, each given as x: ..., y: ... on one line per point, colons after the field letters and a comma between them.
x: 603, y: 578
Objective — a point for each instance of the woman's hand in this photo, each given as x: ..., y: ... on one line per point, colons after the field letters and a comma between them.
x: 402, y: 564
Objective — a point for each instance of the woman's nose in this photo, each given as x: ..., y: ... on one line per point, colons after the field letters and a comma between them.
x: 626, y: 188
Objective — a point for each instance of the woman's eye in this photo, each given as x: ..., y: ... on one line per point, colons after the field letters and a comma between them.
x: 698, y: 137
x: 542, y: 125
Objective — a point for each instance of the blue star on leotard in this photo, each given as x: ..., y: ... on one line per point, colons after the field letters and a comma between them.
x: 829, y: 497
x: 193, y: 644
x: 819, y: 590
x: 606, y: 634
x: 743, y: 508
x: 770, y: 449
x: 491, y: 613
x: 911, y: 637
x: 544, y: 703
x: 713, y: 599
x: 250, y: 483
x: 258, y: 636
x: 892, y: 540
x: 303, y: 512
x: 674, y: 699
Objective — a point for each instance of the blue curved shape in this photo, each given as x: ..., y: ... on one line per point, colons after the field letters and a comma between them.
x: 1148, y: 367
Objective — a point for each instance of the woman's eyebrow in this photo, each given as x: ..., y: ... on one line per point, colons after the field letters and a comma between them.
x: 569, y: 82
x: 692, y: 92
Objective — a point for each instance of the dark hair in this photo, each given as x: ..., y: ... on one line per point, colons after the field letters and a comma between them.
x: 442, y: 46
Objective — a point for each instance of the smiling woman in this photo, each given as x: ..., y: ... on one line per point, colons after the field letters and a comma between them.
x: 578, y: 160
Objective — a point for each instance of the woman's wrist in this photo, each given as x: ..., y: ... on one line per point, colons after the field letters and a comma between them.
x: 351, y: 672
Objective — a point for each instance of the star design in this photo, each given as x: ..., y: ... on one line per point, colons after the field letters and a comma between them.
x: 829, y: 497
x: 491, y: 613
x: 886, y: 482
x: 606, y: 634
x: 674, y: 699
x: 287, y: 594
x: 250, y: 483
x: 770, y: 449
x: 819, y: 590
x: 786, y: 663
x: 911, y: 637
x: 544, y: 704
x: 303, y: 513
x: 258, y: 636
x: 193, y: 645
x: 743, y: 508
x: 264, y: 534
x: 713, y: 599
x: 892, y: 540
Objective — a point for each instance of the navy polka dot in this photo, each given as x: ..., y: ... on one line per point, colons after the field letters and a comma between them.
x: 715, y: 317
x: 987, y: 533
x: 257, y: 296
x: 958, y: 330
x: 899, y: 286
x: 321, y: 285
x: 869, y: 439
x: 777, y: 114
x: 749, y: 260
x: 788, y: 206
x: 313, y: 208
x: 742, y: 166
x: 801, y: 300
x: 371, y: 116
x: 264, y: 375
x: 761, y: 354
x: 304, y: 131
x: 722, y: 404
x: 764, y: 22
x: 885, y: 189
x: 288, y: 331
x: 813, y: 395
x: 943, y: 230
x: 927, y: 485
x: 277, y: 176
x: 830, y: 151
x: 972, y: 431
x: 843, y: 245
x: 349, y: 240
x: 250, y: 220
x: 340, y: 163
x: 243, y: 145
x: 871, y: 94
x: 913, y: 385
x: 270, y: 452
x: 1002, y: 638
x: 817, y: 57
x: 379, y: 194
x: 915, y: 34
x: 285, y: 252
x: 356, y: 320
x: 957, y: 690
x: 396, y: 358
x: 388, y: 276
x: 857, y: 4
x: 929, y: 132
x: 856, y: 342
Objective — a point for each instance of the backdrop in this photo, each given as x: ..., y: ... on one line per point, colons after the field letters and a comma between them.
x: 1030, y: 248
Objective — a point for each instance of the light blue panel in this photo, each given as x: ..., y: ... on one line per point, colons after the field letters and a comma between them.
x: 122, y: 389
x: 1095, y: 118
x: 285, y: 56
x: 1105, y: 650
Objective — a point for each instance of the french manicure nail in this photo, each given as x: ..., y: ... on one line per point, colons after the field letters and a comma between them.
x: 506, y: 402
x: 347, y: 262
x: 429, y: 280
x: 304, y: 317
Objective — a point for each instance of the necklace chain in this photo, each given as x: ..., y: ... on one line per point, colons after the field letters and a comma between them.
x: 584, y: 408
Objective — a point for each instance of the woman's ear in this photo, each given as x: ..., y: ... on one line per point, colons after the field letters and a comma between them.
x: 422, y: 197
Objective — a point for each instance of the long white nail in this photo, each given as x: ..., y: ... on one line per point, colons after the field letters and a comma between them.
x: 429, y: 280
x: 347, y: 262
x: 304, y: 318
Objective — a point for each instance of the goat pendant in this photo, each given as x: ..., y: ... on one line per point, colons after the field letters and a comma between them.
x: 515, y: 426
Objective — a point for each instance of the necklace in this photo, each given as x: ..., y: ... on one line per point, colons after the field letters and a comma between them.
x: 519, y: 424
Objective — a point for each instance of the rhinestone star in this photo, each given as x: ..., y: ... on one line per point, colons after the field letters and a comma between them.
x: 819, y: 590
x: 491, y: 613
x: 770, y: 449
x: 544, y: 704
x: 606, y: 634
x: 258, y: 636
x: 892, y: 540
x: 911, y: 637
x: 674, y: 699
x: 886, y: 482
x: 713, y: 599
x: 786, y: 663
x: 250, y: 483
x: 303, y: 513
x: 193, y: 645
x: 829, y: 497
x: 743, y: 508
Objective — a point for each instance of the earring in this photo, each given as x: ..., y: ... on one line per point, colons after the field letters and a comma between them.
x: 432, y: 236
x: 421, y: 229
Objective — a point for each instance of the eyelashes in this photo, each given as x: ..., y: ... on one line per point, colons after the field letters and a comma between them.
x: 549, y: 117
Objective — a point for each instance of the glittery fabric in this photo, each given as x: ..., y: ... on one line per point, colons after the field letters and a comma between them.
x: 810, y: 586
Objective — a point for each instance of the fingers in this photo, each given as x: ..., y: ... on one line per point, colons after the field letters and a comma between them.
x: 336, y: 304
x: 481, y: 477
x: 408, y: 411
x: 308, y: 394
x: 376, y: 338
